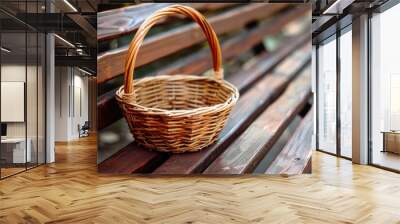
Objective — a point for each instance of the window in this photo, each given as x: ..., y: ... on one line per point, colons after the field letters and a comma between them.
x: 329, y: 111
x: 327, y: 96
x: 385, y: 89
x: 346, y: 93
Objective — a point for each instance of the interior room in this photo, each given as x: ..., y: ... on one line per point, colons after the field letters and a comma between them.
x: 337, y: 85
x: 330, y: 92
x: 47, y: 80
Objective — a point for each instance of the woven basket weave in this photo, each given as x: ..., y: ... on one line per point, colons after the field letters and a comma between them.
x: 178, y: 113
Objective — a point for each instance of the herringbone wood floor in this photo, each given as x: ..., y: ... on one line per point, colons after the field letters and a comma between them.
x: 71, y: 191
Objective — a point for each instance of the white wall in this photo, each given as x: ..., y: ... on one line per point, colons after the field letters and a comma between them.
x: 80, y: 84
x: 10, y: 73
x: 61, y: 103
x: 70, y: 83
x: 14, y: 73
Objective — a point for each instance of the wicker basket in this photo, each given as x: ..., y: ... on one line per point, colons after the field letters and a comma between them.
x: 178, y: 113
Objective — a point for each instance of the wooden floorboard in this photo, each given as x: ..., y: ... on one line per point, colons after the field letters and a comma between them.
x: 71, y: 191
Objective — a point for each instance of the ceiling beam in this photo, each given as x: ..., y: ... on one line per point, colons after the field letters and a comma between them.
x: 87, y: 28
x: 320, y: 23
x: 337, y: 7
x: 77, y: 61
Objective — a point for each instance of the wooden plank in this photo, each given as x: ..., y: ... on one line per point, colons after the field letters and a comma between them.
x: 196, y: 162
x: 108, y: 110
x: 243, y: 81
x: 294, y: 157
x: 132, y: 159
x: 122, y: 21
x: 199, y: 63
x: 111, y: 64
x: 205, y: 6
x: 249, y: 106
x: 308, y: 169
x: 244, y: 154
x: 118, y: 22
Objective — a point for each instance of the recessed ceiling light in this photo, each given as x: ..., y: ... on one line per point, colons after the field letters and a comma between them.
x: 70, y: 5
x: 64, y: 40
x: 84, y: 71
x: 5, y: 50
x: 337, y: 7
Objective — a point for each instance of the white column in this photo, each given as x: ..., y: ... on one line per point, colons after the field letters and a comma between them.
x: 50, y: 99
x: 50, y: 92
x: 360, y: 90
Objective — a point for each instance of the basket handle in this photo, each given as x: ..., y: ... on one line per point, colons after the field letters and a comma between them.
x: 152, y: 20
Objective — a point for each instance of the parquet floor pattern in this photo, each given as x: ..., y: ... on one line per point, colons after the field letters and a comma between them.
x: 71, y: 191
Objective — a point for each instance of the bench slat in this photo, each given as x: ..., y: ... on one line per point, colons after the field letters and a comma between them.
x: 107, y: 106
x: 200, y: 61
x: 118, y: 22
x: 132, y: 159
x: 108, y: 110
x: 294, y: 157
x: 250, y: 104
x: 249, y: 148
x: 205, y: 6
x: 243, y: 80
x: 122, y: 21
x: 110, y: 64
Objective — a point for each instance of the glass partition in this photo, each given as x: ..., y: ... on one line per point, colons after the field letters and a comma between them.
x: 22, y: 88
x: 13, y: 86
x: 327, y: 96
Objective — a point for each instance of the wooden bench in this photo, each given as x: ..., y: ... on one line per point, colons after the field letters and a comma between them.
x: 295, y: 157
x: 275, y: 85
